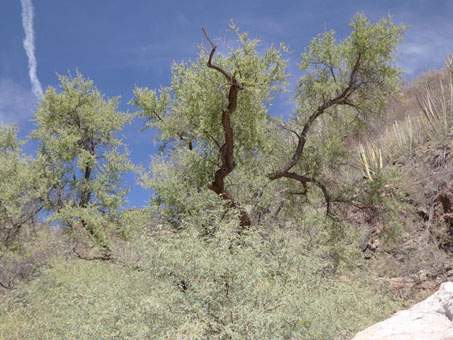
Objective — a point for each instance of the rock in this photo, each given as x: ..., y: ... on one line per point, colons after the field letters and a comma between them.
x: 431, y: 319
x: 423, y: 275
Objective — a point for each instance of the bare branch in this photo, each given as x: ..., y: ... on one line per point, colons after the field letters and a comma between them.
x: 304, y: 180
x: 290, y: 130
x: 228, y: 76
x: 332, y: 72
x: 208, y: 39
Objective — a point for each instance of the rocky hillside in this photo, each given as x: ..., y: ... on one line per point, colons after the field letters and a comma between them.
x: 418, y: 144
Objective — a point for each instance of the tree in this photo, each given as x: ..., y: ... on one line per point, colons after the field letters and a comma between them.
x: 358, y: 72
x: 80, y: 155
x: 215, y: 113
x: 19, y: 191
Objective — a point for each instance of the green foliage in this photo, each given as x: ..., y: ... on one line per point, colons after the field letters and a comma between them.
x: 190, y: 109
x: 386, y: 201
x: 78, y: 300
x: 369, y: 53
x: 180, y: 184
x: 200, y: 274
x: 133, y: 221
x: 188, y: 114
x: 345, y: 80
x: 19, y: 192
x: 266, y: 284
x: 80, y: 154
x: 351, y: 80
x: 366, y: 58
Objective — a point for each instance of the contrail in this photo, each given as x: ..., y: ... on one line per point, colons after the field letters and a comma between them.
x: 29, y: 45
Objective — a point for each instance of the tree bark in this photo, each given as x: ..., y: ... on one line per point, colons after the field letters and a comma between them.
x: 227, y: 149
x: 87, y: 144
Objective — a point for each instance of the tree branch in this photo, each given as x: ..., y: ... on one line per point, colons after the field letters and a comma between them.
x: 304, y: 180
x: 227, y: 149
x: 341, y: 99
x: 228, y: 76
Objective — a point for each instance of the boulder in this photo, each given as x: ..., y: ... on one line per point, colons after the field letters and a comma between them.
x: 431, y: 319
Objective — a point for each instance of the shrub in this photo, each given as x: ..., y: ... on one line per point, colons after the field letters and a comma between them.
x: 266, y: 283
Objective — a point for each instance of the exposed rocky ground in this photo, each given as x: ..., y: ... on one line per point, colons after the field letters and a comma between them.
x: 431, y: 319
x: 423, y: 258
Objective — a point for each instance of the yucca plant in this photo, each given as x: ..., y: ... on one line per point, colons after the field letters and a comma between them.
x: 438, y: 110
x: 370, y: 160
x: 403, y: 134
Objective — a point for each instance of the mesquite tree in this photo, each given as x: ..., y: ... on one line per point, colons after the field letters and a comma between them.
x: 359, y: 72
x: 215, y: 113
x: 19, y: 190
x: 80, y: 155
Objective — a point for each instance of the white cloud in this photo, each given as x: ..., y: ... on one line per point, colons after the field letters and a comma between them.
x: 425, y: 47
x: 29, y: 45
x: 16, y: 102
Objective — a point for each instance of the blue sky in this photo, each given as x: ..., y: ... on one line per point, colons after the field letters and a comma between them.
x: 119, y: 44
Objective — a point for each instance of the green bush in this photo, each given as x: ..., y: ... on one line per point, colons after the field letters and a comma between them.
x: 19, y: 191
x: 266, y: 283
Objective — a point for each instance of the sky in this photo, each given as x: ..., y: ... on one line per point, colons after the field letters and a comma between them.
x: 120, y: 44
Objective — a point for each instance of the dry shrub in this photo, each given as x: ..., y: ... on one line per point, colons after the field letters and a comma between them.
x: 35, y: 247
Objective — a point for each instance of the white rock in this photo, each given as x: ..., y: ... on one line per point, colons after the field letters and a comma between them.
x: 430, y: 319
